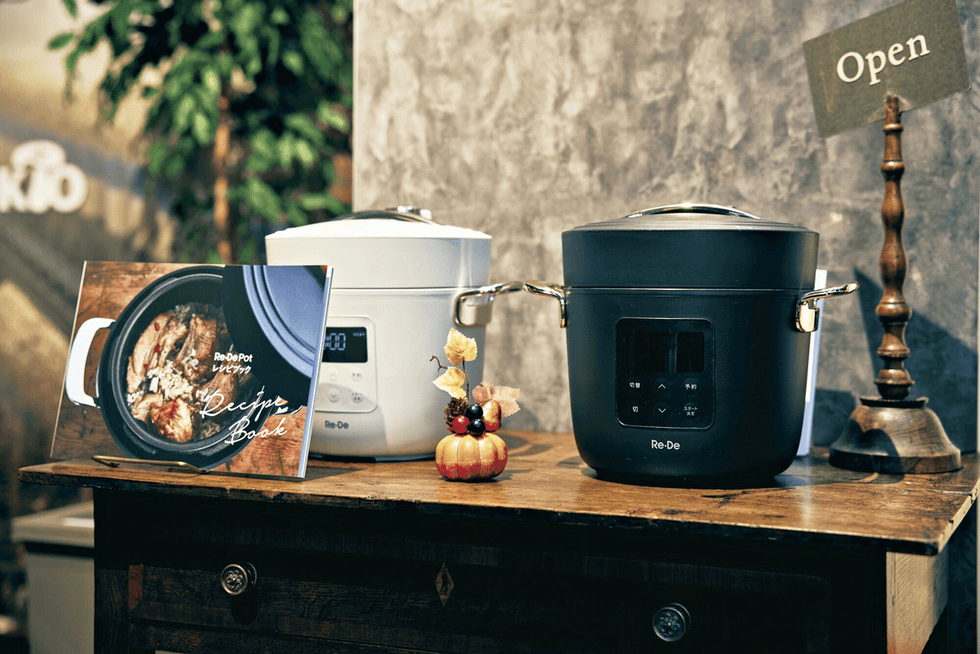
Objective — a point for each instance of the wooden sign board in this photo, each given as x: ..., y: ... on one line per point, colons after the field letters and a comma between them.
x: 913, y: 50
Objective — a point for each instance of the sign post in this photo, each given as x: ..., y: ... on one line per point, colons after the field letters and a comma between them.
x: 904, y: 57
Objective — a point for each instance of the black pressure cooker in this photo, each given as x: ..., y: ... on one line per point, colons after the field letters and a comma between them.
x: 688, y: 331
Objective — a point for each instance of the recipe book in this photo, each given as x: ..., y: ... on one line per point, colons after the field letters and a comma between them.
x: 194, y: 365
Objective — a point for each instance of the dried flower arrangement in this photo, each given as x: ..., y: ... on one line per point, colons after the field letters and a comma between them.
x: 472, y: 451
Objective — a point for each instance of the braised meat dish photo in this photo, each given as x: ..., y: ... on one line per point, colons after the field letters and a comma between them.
x: 174, y: 372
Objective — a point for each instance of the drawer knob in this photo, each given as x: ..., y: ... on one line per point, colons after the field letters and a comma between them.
x: 671, y: 622
x: 238, y: 578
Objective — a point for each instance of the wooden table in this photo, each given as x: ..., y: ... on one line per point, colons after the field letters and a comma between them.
x: 368, y: 557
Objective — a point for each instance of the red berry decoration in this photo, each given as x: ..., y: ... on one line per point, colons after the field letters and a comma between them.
x: 460, y: 424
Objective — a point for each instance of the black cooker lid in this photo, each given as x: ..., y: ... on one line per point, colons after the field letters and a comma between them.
x: 690, y: 246
x: 276, y: 313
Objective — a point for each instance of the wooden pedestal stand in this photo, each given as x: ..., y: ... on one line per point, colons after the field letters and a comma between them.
x: 893, y: 433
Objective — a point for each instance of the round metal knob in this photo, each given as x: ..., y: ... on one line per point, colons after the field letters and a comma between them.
x: 238, y: 578
x: 671, y: 622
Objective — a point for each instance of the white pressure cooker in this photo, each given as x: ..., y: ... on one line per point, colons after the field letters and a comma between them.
x: 401, y: 282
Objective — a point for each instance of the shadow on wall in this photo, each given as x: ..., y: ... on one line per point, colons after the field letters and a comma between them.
x: 943, y: 368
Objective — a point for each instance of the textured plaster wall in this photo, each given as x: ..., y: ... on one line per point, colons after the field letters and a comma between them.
x: 524, y: 119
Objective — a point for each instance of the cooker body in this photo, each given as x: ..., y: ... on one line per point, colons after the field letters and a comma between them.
x: 686, y: 382
x: 379, y: 401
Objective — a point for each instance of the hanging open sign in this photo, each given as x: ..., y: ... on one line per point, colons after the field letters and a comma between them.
x: 913, y: 50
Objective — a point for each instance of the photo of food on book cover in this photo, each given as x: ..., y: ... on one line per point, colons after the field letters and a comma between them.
x: 206, y: 365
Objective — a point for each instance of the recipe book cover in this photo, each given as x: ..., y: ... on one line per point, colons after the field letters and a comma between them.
x: 212, y: 366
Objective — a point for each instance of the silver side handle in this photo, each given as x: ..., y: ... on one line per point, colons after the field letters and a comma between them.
x: 551, y: 290
x: 807, y: 311
x: 475, y: 307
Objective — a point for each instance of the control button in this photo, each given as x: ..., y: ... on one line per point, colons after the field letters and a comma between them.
x: 356, y: 397
x: 662, y: 387
x: 691, y: 386
x: 634, y: 383
x: 333, y: 394
x: 333, y: 374
x: 356, y: 375
x: 691, y: 410
x: 661, y: 410
x: 634, y: 409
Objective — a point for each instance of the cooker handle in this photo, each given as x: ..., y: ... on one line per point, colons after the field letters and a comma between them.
x: 694, y: 207
x: 403, y: 213
x: 77, y: 355
x: 551, y: 290
x: 807, y: 312
x: 471, y: 314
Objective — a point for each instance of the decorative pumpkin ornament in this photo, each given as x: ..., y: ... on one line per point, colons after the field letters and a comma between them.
x: 472, y: 451
x: 467, y: 457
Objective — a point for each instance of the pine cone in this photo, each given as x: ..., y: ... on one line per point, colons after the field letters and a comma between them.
x: 457, y: 406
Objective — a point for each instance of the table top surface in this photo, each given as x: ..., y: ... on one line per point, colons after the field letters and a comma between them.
x: 546, y: 480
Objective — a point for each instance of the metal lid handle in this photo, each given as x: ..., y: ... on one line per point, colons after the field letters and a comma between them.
x: 691, y: 207
x: 403, y: 213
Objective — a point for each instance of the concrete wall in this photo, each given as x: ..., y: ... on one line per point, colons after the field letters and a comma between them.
x: 524, y: 119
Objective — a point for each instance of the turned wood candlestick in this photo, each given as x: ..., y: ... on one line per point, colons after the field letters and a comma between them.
x: 892, y: 433
x: 893, y: 381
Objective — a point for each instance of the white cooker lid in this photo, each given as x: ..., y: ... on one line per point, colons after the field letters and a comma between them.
x: 386, y: 249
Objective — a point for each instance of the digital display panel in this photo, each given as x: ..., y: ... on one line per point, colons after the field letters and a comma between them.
x: 661, y: 352
x: 345, y: 345
x: 651, y: 351
x: 690, y: 352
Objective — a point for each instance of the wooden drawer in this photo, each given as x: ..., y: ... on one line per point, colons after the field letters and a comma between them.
x: 351, y: 582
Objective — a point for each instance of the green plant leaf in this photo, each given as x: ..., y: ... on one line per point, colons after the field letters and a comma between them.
x: 321, y: 201
x: 264, y: 143
x: 211, y: 80
x: 61, y: 41
x: 303, y: 151
x: 259, y: 164
x: 329, y: 114
x: 225, y: 64
x: 340, y: 14
x: 279, y: 16
x: 302, y: 125
x: 262, y: 198
x: 293, y: 61
x: 284, y: 150
x: 295, y: 215
x: 174, y: 166
x: 272, y: 47
x: 210, y: 41
x: 183, y: 113
x: 246, y: 19
x: 72, y: 7
x: 202, y: 129
x: 253, y: 65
